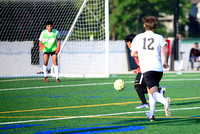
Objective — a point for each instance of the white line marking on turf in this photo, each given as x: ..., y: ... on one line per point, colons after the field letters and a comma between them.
x: 121, y: 76
x: 90, y: 116
x: 179, y: 79
x: 166, y: 76
x: 11, y: 80
x: 91, y: 84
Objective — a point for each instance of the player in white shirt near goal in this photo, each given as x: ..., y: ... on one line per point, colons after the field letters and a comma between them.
x: 147, y: 47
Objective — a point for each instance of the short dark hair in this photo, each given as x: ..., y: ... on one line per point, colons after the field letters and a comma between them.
x: 150, y: 22
x: 129, y: 37
x: 48, y: 23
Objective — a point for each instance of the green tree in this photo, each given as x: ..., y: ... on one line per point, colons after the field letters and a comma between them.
x: 126, y: 15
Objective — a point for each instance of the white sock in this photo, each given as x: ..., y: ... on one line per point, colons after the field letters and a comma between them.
x: 56, y: 72
x: 152, y: 104
x: 158, y: 97
x: 45, y: 70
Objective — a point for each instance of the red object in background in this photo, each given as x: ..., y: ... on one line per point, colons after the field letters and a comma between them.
x: 169, y: 46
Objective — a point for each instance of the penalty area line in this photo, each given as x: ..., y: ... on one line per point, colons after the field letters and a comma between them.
x: 92, y: 116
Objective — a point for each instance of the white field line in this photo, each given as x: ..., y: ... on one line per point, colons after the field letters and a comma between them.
x: 121, y: 76
x: 11, y: 80
x: 92, y: 116
x: 166, y: 76
x: 91, y: 84
x: 179, y: 79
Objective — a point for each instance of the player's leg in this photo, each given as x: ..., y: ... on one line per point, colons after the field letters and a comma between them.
x: 152, y: 104
x: 45, y: 60
x: 55, y: 63
x: 152, y: 79
x: 160, y: 98
x: 162, y: 90
x: 141, y: 94
x: 156, y: 95
x: 140, y: 91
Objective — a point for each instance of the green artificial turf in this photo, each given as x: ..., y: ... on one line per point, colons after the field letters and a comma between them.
x: 92, y: 105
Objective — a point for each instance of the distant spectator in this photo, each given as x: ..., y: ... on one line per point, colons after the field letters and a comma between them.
x: 194, y: 54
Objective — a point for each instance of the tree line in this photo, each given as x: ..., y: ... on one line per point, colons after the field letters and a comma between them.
x: 126, y: 15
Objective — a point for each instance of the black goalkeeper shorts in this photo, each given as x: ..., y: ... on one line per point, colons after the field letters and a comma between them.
x: 50, y: 53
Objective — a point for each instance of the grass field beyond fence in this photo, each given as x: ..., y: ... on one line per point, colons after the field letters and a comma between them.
x: 92, y: 105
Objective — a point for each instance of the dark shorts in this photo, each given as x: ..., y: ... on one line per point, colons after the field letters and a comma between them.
x: 152, y: 78
x: 50, y: 53
x: 139, y: 79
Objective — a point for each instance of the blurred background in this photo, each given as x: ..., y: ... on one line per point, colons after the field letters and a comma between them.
x: 23, y: 20
x: 126, y: 15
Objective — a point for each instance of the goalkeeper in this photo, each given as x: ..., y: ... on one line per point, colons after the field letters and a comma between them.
x: 140, y: 84
x: 49, y: 43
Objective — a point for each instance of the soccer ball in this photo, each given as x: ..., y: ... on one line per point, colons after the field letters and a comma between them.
x: 119, y: 84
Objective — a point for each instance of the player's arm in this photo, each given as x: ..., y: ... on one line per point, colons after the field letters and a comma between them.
x: 58, y: 46
x: 166, y: 55
x: 135, y: 71
x: 137, y: 60
x: 41, y: 46
x: 40, y: 43
x: 134, y: 53
x: 58, y: 43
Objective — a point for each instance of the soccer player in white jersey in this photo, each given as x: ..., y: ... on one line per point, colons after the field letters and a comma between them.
x: 49, y: 43
x: 140, y: 84
x: 147, y: 47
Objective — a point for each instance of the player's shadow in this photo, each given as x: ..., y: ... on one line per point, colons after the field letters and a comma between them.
x: 101, y: 129
x: 169, y: 121
x: 180, y: 104
x: 136, y: 122
x: 185, y: 103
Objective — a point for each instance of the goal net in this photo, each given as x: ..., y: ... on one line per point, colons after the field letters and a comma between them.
x: 84, y: 30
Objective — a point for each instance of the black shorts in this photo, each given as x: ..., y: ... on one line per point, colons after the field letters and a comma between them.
x: 139, y: 79
x: 50, y: 53
x: 152, y: 78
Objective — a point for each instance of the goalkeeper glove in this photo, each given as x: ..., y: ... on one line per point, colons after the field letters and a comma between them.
x: 41, y: 46
x: 58, y: 48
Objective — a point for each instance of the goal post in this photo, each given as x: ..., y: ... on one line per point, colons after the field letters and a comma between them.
x: 84, y: 30
x: 87, y: 34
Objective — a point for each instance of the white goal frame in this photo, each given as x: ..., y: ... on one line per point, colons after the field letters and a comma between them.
x: 84, y: 33
x: 107, y: 63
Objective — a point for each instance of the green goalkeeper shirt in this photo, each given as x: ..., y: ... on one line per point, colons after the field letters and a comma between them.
x: 49, y: 39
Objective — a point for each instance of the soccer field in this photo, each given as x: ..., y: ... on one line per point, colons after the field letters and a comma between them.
x: 92, y: 105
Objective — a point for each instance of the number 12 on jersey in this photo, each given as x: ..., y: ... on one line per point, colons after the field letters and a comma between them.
x: 148, y: 43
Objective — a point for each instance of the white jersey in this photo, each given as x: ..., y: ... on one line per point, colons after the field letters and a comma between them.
x: 148, y: 45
